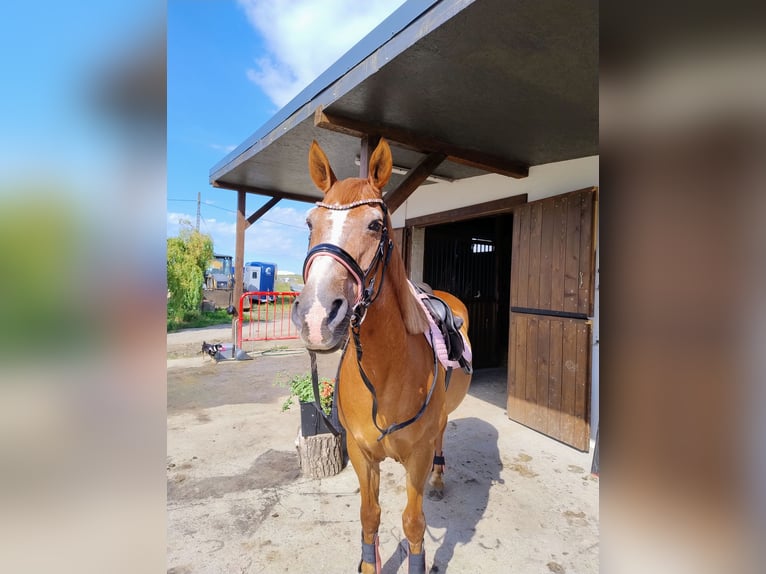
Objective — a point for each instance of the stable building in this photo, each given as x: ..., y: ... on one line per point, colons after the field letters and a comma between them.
x: 491, y: 110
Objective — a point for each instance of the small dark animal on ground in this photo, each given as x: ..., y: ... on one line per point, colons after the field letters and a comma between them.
x: 212, y: 349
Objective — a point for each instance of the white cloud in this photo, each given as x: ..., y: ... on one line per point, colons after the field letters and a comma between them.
x: 279, y: 237
x: 213, y: 227
x: 174, y: 220
x: 305, y: 37
x: 218, y: 228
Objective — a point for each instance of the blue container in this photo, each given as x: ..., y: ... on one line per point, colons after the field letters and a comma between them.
x: 259, y: 276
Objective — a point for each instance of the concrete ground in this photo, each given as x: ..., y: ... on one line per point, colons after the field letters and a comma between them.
x: 515, y: 501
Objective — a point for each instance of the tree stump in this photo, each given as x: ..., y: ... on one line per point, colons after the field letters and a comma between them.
x: 320, y: 455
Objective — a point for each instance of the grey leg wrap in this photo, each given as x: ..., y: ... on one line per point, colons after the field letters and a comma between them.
x: 368, y: 552
x: 416, y: 562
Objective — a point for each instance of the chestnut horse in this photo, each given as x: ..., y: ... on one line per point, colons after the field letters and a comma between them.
x: 391, y: 395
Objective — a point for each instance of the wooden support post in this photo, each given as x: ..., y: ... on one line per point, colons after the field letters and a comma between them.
x: 239, y: 249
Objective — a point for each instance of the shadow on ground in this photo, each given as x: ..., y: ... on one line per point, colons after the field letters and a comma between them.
x: 490, y: 385
x: 473, y: 466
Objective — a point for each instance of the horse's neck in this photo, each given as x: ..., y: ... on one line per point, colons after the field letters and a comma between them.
x: 383, y: 334
x: 383, y: 328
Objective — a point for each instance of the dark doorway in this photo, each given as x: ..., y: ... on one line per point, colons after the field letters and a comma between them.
x: 472, y: 260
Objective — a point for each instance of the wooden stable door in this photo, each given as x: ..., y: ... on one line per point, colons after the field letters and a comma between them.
x: 552, y: 278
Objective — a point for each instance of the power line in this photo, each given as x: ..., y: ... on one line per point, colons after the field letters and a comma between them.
x: 302, y: 227
x: 208, y: 204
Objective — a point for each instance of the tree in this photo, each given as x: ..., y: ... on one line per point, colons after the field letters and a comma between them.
x: 188, y: 256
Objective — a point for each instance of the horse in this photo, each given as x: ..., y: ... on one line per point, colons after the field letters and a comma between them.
x: 392, y: 397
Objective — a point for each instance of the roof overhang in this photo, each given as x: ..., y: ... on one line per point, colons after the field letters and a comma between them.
x: 474, y: 87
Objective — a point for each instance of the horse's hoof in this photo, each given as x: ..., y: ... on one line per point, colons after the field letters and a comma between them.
x: 435, y: 494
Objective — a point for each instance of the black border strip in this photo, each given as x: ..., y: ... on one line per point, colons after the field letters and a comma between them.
x: 549, y: 312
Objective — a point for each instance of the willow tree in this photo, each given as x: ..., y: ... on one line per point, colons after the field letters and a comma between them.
x: 187, y: 258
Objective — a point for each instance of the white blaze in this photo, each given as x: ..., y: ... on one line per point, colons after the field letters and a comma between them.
x: 321, y: 267
x: 337, y: 224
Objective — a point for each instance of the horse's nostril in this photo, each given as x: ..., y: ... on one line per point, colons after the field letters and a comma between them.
x: 335, y: 307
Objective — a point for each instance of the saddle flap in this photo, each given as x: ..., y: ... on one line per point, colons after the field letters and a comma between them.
x: 447, y: 322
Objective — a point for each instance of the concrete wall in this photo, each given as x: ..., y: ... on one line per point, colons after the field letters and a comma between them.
x: 543, y: 181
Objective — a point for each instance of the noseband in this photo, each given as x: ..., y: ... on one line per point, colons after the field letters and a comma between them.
x: 364, y: 280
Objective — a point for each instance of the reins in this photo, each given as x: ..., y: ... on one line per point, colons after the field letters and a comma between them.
x: 367, y: 383
x: 334, y: 424
x: 366, y: 295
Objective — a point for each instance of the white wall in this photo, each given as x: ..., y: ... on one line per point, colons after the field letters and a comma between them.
x: 543, y: 181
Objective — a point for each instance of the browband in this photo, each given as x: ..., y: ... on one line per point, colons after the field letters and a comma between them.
x: 352, y: 205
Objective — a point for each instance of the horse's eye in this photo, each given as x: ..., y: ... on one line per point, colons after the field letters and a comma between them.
x: 308, y: 224
x: 375, y: 226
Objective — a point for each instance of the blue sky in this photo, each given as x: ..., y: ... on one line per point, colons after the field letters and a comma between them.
x: 232, y: 64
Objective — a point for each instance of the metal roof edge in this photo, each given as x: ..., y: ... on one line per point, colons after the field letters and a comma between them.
x: 304, y: 104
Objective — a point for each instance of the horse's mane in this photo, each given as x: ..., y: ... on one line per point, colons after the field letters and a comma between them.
x: 412, y: 314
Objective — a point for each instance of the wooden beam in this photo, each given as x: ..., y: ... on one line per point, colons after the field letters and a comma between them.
x: 496, y: 207
x: 262, y: 210
x: 416, y: 176
x: 269, y: 192
x: 423, y: 144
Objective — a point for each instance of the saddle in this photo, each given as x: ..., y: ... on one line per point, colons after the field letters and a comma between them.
x: 447, y: 323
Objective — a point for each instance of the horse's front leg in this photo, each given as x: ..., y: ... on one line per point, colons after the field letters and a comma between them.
x: 368, y: 473
x: 418, y: 466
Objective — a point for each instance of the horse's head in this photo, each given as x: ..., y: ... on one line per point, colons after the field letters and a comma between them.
x: 347, y: 230
x: 349, y: 244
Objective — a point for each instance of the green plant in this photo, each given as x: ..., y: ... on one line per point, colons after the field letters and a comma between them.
x: 300, y: 387
x: 187, y: 258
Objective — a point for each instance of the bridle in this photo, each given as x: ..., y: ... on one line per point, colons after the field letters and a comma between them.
x: 364, y: 280
x: 366, y: 295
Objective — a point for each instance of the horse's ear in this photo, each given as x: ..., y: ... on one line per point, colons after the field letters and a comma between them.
x: 319, y: 168
x: 381, y: 164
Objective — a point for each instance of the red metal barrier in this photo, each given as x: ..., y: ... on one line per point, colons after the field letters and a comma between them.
x: 268, y: 317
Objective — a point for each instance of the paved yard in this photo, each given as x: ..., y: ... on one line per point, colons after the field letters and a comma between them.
x: 515, y: 501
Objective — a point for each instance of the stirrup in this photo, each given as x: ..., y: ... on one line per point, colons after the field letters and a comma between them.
x: 416, y: 563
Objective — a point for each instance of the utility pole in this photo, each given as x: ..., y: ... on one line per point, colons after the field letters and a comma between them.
x: 198, y: 209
